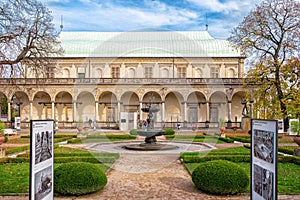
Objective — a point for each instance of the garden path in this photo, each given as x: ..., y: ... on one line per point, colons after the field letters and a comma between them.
x: 151, y: 176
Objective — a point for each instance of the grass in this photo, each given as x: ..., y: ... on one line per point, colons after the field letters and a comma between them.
x: 287, y: 180
x: 14, y: 177
x: 228, y: 151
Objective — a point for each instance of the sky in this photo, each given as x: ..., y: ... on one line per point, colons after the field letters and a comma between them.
x: 222, y: 16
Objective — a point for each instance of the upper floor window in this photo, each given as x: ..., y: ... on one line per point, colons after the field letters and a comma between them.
x: 214, y: 72
x: 148, y: 71
x: 81, y: 75
x: 66, y: 73
x: 115, y: 71
x: 50, y: 71
x: 181, y: 71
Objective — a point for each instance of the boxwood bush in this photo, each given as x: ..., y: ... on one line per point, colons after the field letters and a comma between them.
x: 169, y: 131
x: 220, y: 177
x: 133, y: 132
x: 78, y: 178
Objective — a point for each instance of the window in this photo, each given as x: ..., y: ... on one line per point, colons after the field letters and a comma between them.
x: 111, y: 114
x: 148, y: 71
x: 50, y: 71
x: 181, y: 71
x: 81, y: 75
x: 115, y: 71
x: 66, y: 73
x: 214, y: 72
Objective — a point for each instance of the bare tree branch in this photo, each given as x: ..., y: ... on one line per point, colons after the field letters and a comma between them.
x: 27, y: 37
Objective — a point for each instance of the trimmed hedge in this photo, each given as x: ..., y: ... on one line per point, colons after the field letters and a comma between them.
x: 220, y: 177
x: 226, y: 139
x: 75, y: 141
x: 111, y: 137
x: 241, y: 139
x: 78, y: 178
x: 55, y: 136
x: 233, y: 158
x: 133, y: 132
x: 287, y: 150
x: 169, y: 131
x: 89, y: 159
x: 17, y: 149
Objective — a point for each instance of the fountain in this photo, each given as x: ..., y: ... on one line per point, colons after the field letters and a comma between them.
x: 150, y: 134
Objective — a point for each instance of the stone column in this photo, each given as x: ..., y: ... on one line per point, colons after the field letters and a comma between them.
x: 74, y: 111
x: 163, y: 111
x: 118, y: 110
x: 96, y: 111
x: 9, y: 111
x: 229, y: 111
x: 229, y: 115
x: 207, y: 111
x: 185, y: 111
x: 52, y: 110
x: 141, y: 112
x: 30, y: 110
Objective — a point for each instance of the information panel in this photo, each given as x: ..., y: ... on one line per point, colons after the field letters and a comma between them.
x: 264, y: 159
x: 41, y: 159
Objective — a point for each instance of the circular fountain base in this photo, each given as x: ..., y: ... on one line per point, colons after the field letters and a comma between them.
x: 150, y: 147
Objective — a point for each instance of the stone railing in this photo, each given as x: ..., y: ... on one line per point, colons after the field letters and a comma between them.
x: 123, y: 81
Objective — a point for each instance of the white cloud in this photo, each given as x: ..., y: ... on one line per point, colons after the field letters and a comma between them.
x: 225, y: 7
x: 112, y: 16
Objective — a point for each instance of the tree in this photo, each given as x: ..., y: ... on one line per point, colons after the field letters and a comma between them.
x: 269, y: 36
x: 27, y: 37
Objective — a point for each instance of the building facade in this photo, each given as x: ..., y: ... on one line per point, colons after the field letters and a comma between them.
x: 191, y: 77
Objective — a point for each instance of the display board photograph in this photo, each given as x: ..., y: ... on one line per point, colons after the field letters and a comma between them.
x: 264, y: 150
x: 41, y: 159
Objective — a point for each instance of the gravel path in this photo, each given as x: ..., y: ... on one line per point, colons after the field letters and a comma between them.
x: 152, y: 177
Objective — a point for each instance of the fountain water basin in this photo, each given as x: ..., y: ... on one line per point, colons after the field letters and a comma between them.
x: 150, y: 135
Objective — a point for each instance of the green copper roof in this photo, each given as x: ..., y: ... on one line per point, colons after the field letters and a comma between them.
x: 145, y: 44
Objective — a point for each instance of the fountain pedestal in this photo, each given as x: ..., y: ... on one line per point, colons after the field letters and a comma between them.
x: 150, y: 135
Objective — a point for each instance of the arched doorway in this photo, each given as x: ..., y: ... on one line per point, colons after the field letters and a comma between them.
x: 85, y: 107
x: 174, y: 109
x: 41, y: 106
x: 63, y: 107
x: 196, y: 108
x: 108, y: 108
x: 218, y: 102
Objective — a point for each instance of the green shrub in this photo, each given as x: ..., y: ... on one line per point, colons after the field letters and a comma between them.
x: 232, y: 158
x: 133, y: 132
x: 225, y: 139
x: 78, y: 178
x: 75, y: 141
x: 17, y: 149
x: 88, y: 159
x: 220, y: 177
x: 245, y: 139
x: 169, y: 131
x: 287, y: 150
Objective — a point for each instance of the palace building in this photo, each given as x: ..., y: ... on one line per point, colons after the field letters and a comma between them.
x: 193, y: 78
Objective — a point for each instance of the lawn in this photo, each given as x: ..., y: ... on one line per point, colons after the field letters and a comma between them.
x: 14, y: 177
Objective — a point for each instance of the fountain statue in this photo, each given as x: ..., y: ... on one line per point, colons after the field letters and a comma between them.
x: 150, y: 134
